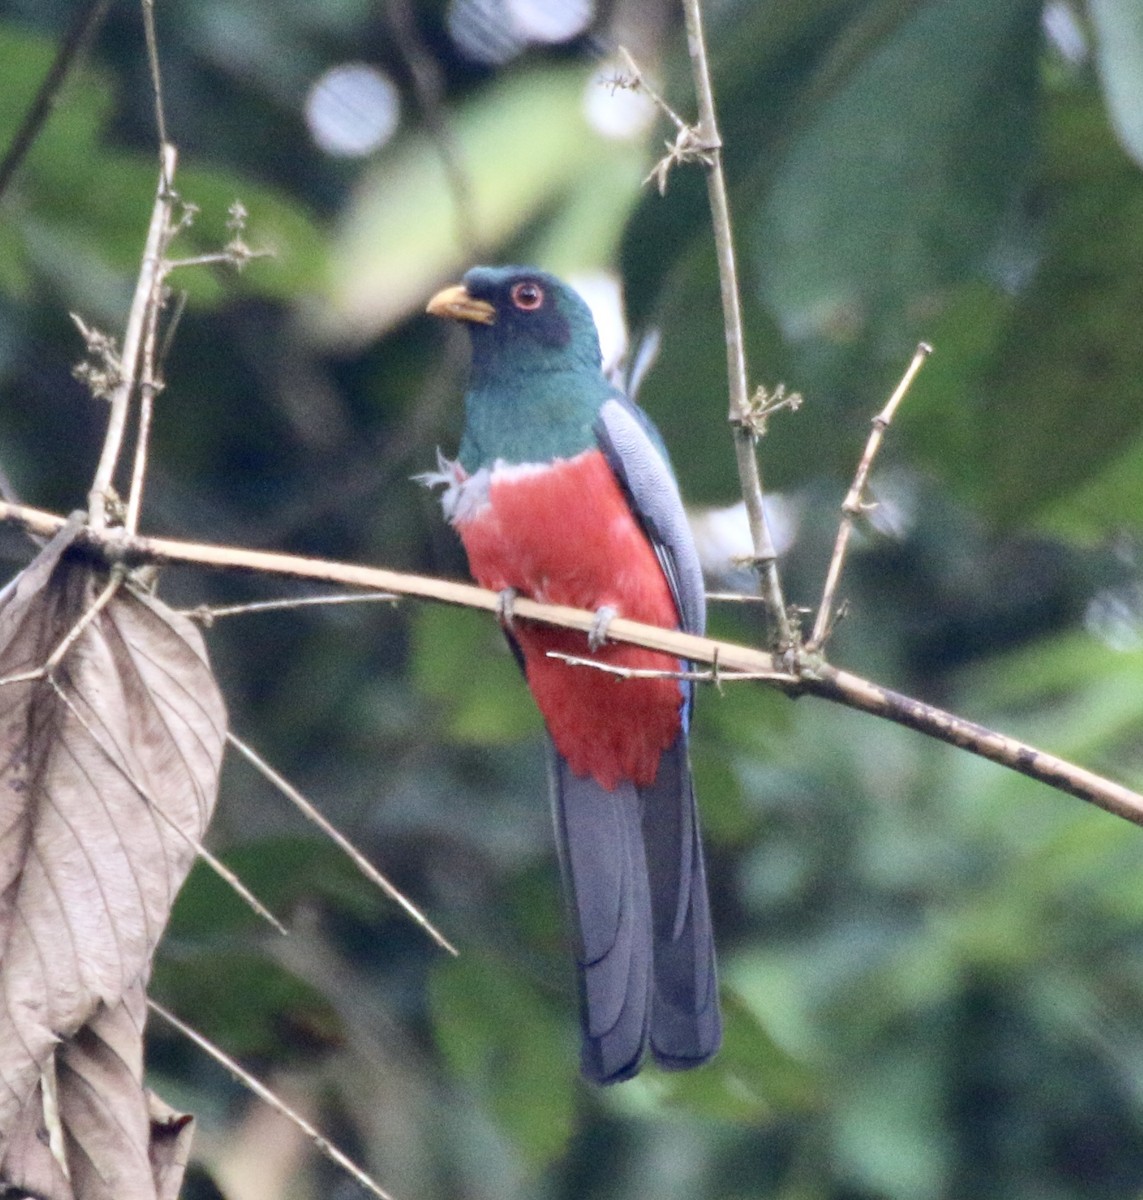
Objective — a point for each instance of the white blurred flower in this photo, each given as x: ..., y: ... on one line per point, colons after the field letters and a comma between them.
x: 550, y: 20
x: 603, y: 294
x: 1115, y: 616
x: 722, y: 536
x: 615, y: 112
x: 493, y: 31
x: 352, y: 110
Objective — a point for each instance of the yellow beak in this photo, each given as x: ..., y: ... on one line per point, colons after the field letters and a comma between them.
x: 456, y: 303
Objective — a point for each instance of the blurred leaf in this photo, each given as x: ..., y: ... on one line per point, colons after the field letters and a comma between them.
x: 460, y: 658
x: 401, y: 236
x: 888, y: 1134
x: 1064, y: 393
x: 246, y: 1002
x: 508, y: 1045
x: 82, y: 206
x: 752, y: 1079
x: 880, y: 204
x: 1108, y: 501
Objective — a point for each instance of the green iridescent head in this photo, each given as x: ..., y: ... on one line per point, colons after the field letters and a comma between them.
x: 536, y: 382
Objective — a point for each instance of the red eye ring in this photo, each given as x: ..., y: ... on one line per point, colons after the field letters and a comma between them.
x: 527, y: 295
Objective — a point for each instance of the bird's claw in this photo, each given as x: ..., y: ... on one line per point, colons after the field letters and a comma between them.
x: 505, y: 606
x: 597, y: 634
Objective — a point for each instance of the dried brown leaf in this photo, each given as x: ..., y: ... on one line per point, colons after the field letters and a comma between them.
x: 108, y: 776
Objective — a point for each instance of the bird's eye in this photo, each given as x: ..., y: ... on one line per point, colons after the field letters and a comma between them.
x: 527, y: 296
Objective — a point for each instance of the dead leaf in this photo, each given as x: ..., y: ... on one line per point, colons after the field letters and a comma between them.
x: 108, y: 777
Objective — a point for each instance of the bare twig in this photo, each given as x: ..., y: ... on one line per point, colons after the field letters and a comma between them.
x: 714, y: 675
x: 856, y: 692
x: 340, y: 840
x: 854, y: 504
x: 207, y: 614
x: 687, y: 145
x: 149, y: 383
x: 321, y: 1143
x: 734, y: 597
x: 745, y: 437
x: 76, y: 631
x: 156, y: 73
x: 149, y: 388
x: 87, y: 20
x: 814, y: 676
x: 147, y: 294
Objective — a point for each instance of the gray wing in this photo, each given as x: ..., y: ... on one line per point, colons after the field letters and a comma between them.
x: 636, y: 455
x: 685, y: 1025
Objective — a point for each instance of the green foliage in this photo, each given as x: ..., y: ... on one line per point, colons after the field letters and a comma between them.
x: 402, y: 236
x: 80, y: 203
x: 461, y: 661
x: 509, y: 1046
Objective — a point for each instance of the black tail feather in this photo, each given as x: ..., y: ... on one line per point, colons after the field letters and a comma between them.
x: 686, y: 1024
x: 636, y: 890
x: 605, y: 881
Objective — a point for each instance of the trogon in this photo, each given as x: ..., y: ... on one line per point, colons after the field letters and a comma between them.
x: 562, y: 492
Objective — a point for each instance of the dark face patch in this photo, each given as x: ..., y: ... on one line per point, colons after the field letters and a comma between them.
x: 528, y: 307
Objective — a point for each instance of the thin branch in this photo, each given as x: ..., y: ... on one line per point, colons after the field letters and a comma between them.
x: 321, y: 1143
x: 687, y: 146
x: 734, y: 597
x: 814, y: 676
x: 77, y: 630
x: 149, y: 388
x: 745, y: 436
x: 855, y: 692
x: 147, y: 290
x: 340, y: 840
x: 156, y: 73
x: 206, y: 614
x: 87, y: 20
x: 854, y: 504
x: 715, y: 675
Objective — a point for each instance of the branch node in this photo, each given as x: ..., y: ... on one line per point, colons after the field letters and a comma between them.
x: 101, y: 371
x: 763, y: 405
x: 854, y: 506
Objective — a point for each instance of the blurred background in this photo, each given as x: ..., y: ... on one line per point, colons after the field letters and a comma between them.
x: 932, y: 969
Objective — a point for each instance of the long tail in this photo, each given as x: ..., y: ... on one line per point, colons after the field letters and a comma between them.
x: 686, y: 1023
x: 636, y: 889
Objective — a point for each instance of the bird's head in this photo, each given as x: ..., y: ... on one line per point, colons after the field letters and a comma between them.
x: 521, y: 321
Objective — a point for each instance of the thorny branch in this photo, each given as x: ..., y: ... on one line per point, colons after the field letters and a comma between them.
x: 797, y: 672
x: 148, y: 290
x: 702, y: 143
x: 854, y: 504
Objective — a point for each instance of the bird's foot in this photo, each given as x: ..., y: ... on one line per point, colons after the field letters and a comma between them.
x: 506, y: 605
x: 597, y: 634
